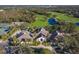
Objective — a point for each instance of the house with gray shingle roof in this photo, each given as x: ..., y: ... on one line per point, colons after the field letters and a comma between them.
x: 22, y: 35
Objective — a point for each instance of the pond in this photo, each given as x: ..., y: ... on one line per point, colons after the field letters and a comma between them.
x: 52, y: 21
x: 77, y: 24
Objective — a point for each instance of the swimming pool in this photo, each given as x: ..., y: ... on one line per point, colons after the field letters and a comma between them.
x: 4, y: 28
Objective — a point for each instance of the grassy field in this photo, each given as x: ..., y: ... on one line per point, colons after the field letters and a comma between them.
x: 65, y: 17
x: 41, y: 20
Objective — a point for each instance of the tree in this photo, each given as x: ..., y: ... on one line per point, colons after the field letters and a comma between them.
x: 46, y: 51
x: 72, y: 43
x: 70, y: 28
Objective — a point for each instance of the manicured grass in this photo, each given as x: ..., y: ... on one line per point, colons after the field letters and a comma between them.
x: 77, y: 28
x: 65, y: 17
x: 41, y: 21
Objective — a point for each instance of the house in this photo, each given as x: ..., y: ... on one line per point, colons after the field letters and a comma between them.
x: 22, y: 35
x: 43, y: 32
x: 60, y: 33
x: 41, y: 35
x: 55, y: 34
x: 41, y: 39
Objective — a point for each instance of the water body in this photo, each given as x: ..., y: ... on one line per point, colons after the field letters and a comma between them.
x: 77, y: 24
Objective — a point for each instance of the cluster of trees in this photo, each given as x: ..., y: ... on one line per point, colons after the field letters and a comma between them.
x: 67, y: 27
x: 70, y: 42
x: 28, y: 15
x: 70, y: 10
x: 19, y: 15
x: 41, y: 11
x: 28, y: 50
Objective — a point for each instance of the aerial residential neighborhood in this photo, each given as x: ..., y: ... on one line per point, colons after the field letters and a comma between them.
x: 39, y: 29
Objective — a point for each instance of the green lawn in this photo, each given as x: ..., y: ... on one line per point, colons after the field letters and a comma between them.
x: 41, y: 21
